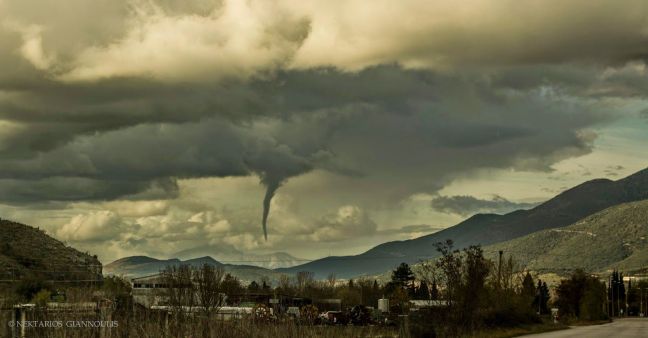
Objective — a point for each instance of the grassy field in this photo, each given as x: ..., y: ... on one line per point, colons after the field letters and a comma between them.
x: 196, y: 327
x: 520, y: 331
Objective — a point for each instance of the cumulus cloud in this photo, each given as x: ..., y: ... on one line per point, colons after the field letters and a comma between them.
x: 32, y: 45
x: 95, y: 226
x: 349, y: 221
x: 138, y: 208
x: 439, y: 34
x: 215, y: 39
x: 122, y: 100
x: 469, y: 205
x: 234, y: 39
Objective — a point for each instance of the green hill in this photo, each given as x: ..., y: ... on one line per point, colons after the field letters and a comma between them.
x: 25, y: 250
x: 616, y: 237
x: 486, y: 229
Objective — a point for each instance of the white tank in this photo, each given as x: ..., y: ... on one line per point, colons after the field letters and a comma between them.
x: 383, y: 305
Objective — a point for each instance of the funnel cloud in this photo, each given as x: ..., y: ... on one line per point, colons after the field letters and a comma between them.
x: 169, y: 110
x: 271, y: 188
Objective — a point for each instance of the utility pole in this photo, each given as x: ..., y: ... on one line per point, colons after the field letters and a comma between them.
x: 612, y: 295
x: 618, y: 299
x: 539, y: 299
x: 625, y: 301
x: 499, y: 270
x: 645, y: 307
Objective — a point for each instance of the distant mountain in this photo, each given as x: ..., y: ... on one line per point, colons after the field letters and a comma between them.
x: 616, y: 237
x: 562, y: 210
x: 137, y: 266
x: 25, y: 250
x: 233, y: 256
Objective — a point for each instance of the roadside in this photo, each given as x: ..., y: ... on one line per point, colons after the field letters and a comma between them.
x: 521, y: 331
x: 622, y: 328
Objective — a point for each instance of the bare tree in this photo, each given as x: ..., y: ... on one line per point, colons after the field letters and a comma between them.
x: 430, y: 273
x: 511, y: 275
x: 331, y: 280
x: 265, y: 283
x: 179, y: 288
x: 285, y: 284
x: 304, y: 279
x: 207, y: 281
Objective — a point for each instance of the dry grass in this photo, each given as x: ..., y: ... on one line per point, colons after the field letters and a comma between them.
x: 520, y: 331
x: 193, y: 327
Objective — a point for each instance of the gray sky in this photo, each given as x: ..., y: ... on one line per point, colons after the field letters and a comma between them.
x: 155, y: 127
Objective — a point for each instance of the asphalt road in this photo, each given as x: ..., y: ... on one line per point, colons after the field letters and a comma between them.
x: 622, y: 328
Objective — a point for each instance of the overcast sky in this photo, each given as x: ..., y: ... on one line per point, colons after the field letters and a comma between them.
x: 152, y: 127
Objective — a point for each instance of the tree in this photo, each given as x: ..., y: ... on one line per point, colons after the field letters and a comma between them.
x: 118, y: 289
x: 286, y: 285
x: 30, y: 285
x: 434, y: 291
x: 399, y: 300
x: 115, y: 286
x: 543, y: 297
x: 42, y: 298
x: 528, y: 291
x: 180, y: 290
x: 231, y: 286
x: 208, y: 280
x: 376, y: 288
x: 349, y: 295
x: 304, y: 279
x: 429, y: 273
x: 450, y: 264
x: 508, y: 275
x: 403, y: 277
x: 581, y: 296
x: 637, y: 297
x: 253, y: 286
x: 423, y: 292
x: 367, y: 296
x: 616, y: 294
x: 331, y: 280
x: 472, y: 290
x: 591, y: 306
x: 265, y: 284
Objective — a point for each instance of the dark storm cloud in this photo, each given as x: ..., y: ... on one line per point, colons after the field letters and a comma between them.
x: 469, y: 205
x: 68, y: 189
x: 120, y: 99
x: 392, y: 125
x: 129, y: 162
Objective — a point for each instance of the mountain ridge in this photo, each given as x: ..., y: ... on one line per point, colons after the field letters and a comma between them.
x: 138, y: 266
x: 230, y: 254
x: 562, y: 210
x: 614, y: 238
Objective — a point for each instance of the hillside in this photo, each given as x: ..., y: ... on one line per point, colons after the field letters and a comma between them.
x: 136, y: 266
x: 613, y: 238
x: 560, y: 211
x: 25, y: 250
x: 229, y: 254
